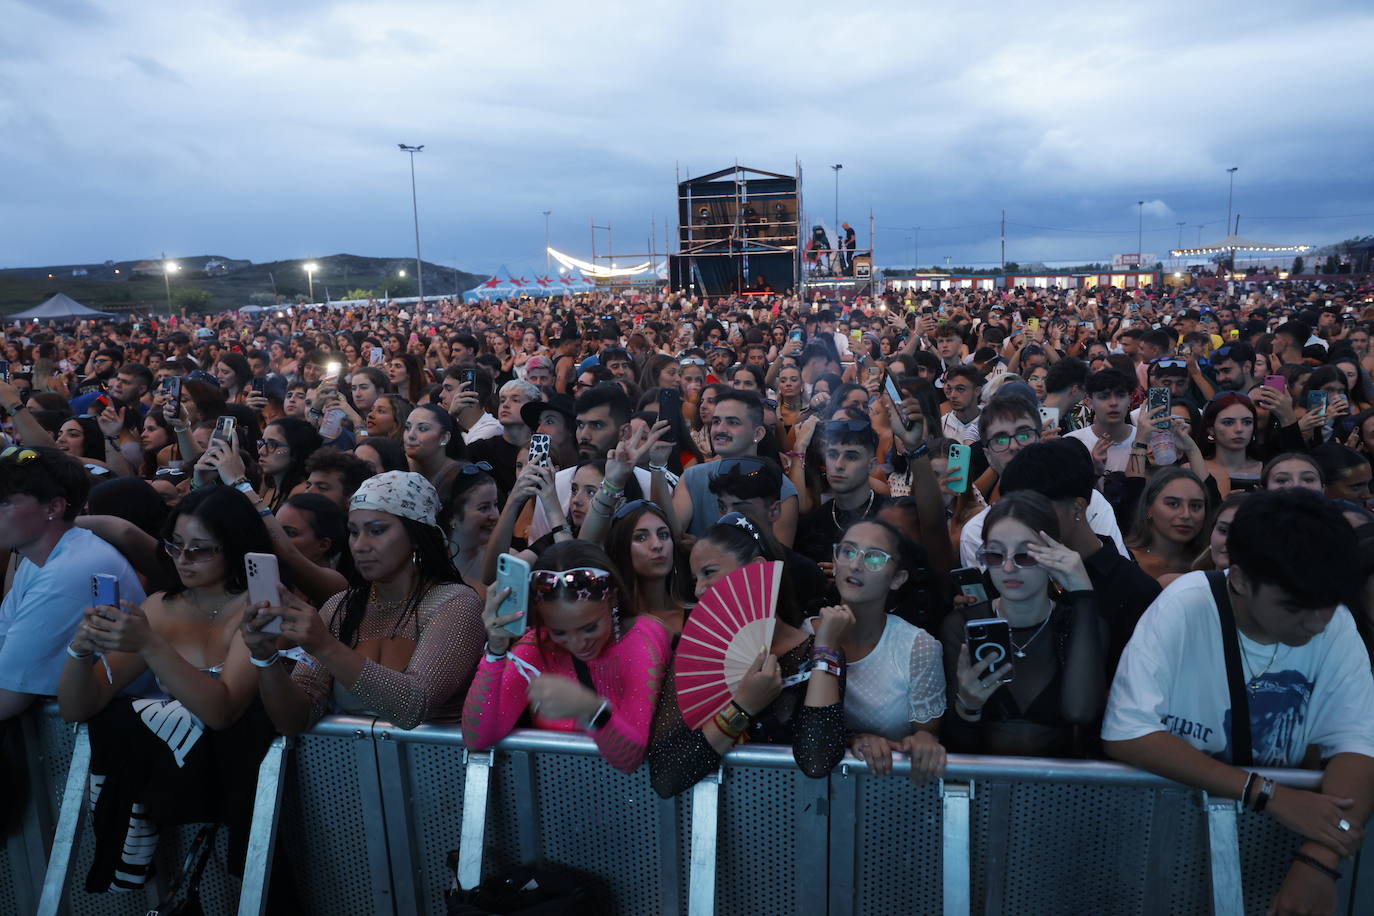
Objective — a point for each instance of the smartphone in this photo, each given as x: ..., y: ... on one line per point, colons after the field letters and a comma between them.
x: 4, y: 370
x: 794, y: 334
x: 969, y: 579
x: 1032, y: 324
x: 958, y: 459
x: 332, y: 424
x: 1277, y: 382
x: 105, y: 590
x: 224, y: 429
x: 895, y: 396
x: 1049, y: 417
x: 539, y: 449
x: 259, y: 386
x: 1156, y: 398
x: 331, y: 371
x: 468, y: 377
x: 1316, y: 401
x: 376, y: 356
x: 513, y: 573
x: 263, y: 579
x: 989, y: 637
x: 99, y: 404
x: 172, y: 385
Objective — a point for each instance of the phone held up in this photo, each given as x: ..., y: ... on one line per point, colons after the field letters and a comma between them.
x: 990, y: 638
x: 224, y: 430
x: 895, y: 396
x: 539, y: 449
x: 969, y: 580
x: 263, y: 579
x: 959, y: 458
x: 105, y: 590
x: 513, y: 573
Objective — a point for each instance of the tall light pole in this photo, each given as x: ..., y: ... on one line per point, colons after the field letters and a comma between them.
x: 1140, y: 233
x: 547, y: 265
x: 1230, y: 190
x: 168, y: 268
x: 310, y: 268
x: 836, y: 227
x: 415, y: 211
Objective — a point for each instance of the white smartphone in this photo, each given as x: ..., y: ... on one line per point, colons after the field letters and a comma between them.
x: 263, y: 579
x: 539, y: 449
x: 1049, y: 416
x: 332, y: 425
x: 513, y: 573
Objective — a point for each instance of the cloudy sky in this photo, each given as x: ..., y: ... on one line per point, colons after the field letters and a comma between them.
x: 268, y: 130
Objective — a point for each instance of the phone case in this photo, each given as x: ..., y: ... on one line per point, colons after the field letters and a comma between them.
x: 958, y: 459
x: 513, y: 573
x: 890, y: 387
x: 1276, y: 382
x: 970, y: 582
x: 263, y: 577
x: 224, y: 429
x: 539, y: 449
x: 105, y: 590
x: 1049, y: 416
x: 989, y: 637
x: 1156, y: 398
x: 332, y: 425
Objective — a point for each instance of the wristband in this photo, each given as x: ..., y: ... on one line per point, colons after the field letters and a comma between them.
x: 265, y: 511
x: 114, y: 439
x: 265, y: 662
x: 1245, y: 793
x: 557, y: 528
x: 15, y: 409
x: 826, y: 654
x: 828, y: 668
x: 1266, y: 791
x: 490, y: 656
x: 1320, y: 866
x: 726, y: 729
x: 919, y: 451
x: 965, y: 708
x: 78, y: 655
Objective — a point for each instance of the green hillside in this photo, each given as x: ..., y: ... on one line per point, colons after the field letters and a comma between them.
x: 240, y: 284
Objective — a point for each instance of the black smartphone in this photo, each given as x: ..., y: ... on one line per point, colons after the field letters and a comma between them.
x: 259, y: 386
x: 895, y: 396
x: 969, y: 580
x: 989, y: 637
x: 172, y: 385
x: 468, y: 377
x: 670, y: 408
x: 4, y: 370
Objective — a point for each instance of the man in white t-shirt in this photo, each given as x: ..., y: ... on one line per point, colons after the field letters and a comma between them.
x: 1109, y: 395
x: 1306, y: 680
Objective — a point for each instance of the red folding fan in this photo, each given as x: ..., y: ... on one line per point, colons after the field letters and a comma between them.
x: 727, y: 629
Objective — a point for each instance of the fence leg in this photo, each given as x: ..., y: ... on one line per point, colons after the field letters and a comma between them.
x: 958, y: 888
x: 701, y: 881
x: 476, y: 793
x: 262, y: 835
x: 1223, y: 842
x: 69, y: 822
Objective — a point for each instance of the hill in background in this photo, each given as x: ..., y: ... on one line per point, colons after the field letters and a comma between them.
x: 215, y: 283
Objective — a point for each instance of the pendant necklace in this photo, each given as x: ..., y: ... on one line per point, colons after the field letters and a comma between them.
x: 196, y: 600
x: 1020, y: 650
x: 1253, y: 682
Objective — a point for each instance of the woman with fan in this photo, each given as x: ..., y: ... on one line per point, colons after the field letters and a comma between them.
x: 790, y: 695
x: 895, y: 681
x: 585, y: 663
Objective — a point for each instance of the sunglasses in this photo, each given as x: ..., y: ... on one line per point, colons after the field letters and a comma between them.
x: 634, y: 505
x: 169, y: 472
x: 18, y: 455
x: 873, y: 558
x: 993, y: 558
x: 583, y: 583
x: 192, y: 554
x: 1002, y: 441
x: 1168, y: 362
x: 691, y: 361
x: 837, y: 427
x: 476, y: 467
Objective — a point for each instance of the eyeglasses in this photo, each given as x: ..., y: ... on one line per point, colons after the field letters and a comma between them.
x: 585, y: 583
x: 476, y: 467
x: 991, y: 558
x: 1002, y: 441
x: 634, y: 505
x: 18, y: 455
x: 270, y: 445
x: 740, y: 520
x: 192, y: 554
x: 873, y: 558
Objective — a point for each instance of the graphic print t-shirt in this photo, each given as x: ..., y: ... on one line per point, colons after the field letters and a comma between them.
x: 1172, y: 678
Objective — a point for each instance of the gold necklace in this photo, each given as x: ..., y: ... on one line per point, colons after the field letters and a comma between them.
x: 386, y: 607
x: 200, y: 607
x: 1253, y: 681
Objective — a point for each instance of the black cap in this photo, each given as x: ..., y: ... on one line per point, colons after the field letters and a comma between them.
x: 562, y: 403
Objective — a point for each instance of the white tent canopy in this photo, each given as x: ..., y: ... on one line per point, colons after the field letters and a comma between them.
x: 60, y: 306
x: 1235, y: 243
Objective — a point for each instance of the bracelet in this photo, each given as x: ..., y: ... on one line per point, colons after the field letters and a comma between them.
x: 265, y: 511
x: 493, y: 657
x: 827, y: 654
x: 265, y: 662
x: 15, y: 409
x: 965, y: 708
x: 557, y: 528
x: 611, y: 489
x: 919, y: 451
x: 1245, y: 793
x: 720, y: 722
x: 78, y: 655
x: 1320, y: 866
x: 114, y: 439
x: 663, y: 468
x: 794, y: 454
x: 1266, y: 791
x: 828, y: 668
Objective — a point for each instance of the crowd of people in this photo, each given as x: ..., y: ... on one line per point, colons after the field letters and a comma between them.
x: 1132, y: 525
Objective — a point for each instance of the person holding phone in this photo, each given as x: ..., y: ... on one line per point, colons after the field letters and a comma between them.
x: 584, y: 662
x: 400, y: 642
x: 190, y: 744
x: 1050, y: 677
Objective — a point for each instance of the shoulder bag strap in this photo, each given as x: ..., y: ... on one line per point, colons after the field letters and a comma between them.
x: 584, y: 674
x: 1241, y: 751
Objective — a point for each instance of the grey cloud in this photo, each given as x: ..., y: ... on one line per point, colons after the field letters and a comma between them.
x: 154, y: 69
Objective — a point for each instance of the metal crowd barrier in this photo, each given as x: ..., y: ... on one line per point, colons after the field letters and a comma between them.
x: 367, y: 814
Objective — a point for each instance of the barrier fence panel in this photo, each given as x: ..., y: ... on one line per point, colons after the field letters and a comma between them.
x: 369, y: 813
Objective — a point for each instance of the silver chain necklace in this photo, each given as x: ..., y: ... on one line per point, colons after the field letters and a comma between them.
x: 1020, y: 650
x: 834, y: 514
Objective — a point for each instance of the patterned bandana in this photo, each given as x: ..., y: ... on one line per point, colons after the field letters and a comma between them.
x: 402, y: 493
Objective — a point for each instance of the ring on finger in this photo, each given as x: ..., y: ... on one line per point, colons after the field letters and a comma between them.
x: 1343, y: 825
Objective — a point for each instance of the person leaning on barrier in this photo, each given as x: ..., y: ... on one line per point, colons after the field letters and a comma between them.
x: 41, y: 492
x: 1306, y: 678
x: 792, y: 696
x: 583, y: 664
x: 188, y: 749
x: 401, y: 642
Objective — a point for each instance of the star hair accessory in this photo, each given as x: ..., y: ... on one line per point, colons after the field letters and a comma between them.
x: 401, y: 493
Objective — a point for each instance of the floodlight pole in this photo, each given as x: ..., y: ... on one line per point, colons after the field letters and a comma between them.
x: 835, y: 245
x: 167, y: 282
x: 1230, y: 191
x: 547, y: 264
x: 415, y: 212
x: 1140, y: 234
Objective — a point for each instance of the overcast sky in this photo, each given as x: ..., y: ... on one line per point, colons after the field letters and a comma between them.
x: 268, y: 130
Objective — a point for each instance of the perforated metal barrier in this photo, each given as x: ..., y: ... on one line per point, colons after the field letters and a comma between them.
x: 367, y: 815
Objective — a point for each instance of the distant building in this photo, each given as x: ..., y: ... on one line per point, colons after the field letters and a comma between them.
x: 79, y: 271
x: 147, y: 269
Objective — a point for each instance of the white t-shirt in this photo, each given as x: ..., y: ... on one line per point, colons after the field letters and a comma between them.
x: 956, y: 430
x: 1101, y: 519
x: 900, y: 682
x: 1118, y: 454
x: 42, y: 609
x: 486, y: 427
x: 1172, y: 678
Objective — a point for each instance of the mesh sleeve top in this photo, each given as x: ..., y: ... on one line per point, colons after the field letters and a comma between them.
x: 448, y: 634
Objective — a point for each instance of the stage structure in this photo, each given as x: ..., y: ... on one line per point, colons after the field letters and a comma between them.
x: 739, y: 232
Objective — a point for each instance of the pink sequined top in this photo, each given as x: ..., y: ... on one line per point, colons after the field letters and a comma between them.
x: 626, y: 673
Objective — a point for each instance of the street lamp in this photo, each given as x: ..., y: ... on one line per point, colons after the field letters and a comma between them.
x: 168, y: 268
x: 836, y: 228
x: 415, y: 212
x: 1230, y: 190
x: 310, y: 269
x: 547, y: 264
x: 1140, y: 233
